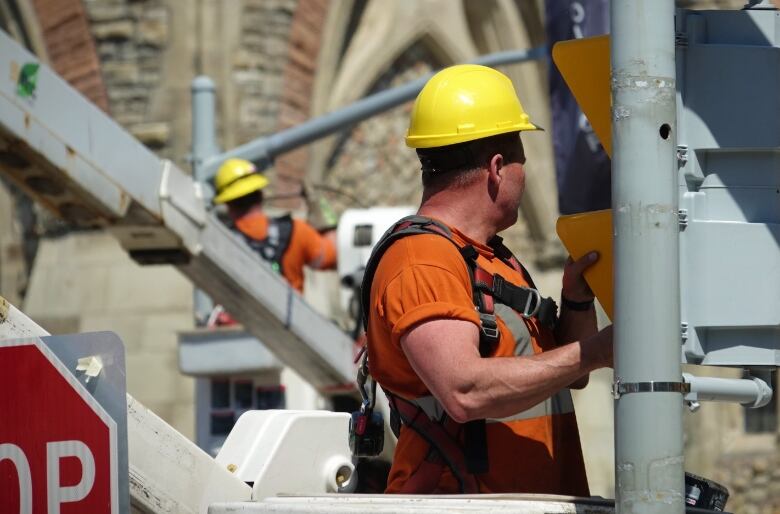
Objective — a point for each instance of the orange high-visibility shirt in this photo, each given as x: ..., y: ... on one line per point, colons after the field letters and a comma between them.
x: 422, y: 278
x: 307, y: 246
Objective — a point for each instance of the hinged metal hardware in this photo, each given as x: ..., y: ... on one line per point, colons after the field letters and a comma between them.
x: 682, y: 154
x: 683, y: 332
x: 489, y: 325
x: 693, y: 405
x: 682, y: 218
x: 681, y: 39
x: 367, y: 392
x: 619, y: 388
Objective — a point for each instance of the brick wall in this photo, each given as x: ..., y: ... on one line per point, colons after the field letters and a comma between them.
x: 131, y: 37
x: 259, y: 65
x: 274, y: 75
x: 66, y: 33
x: 297, y: 89
x: 753, y: 481
x: 371, y: 162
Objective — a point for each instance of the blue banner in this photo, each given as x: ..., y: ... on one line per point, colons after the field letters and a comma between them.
x: 582, y: 168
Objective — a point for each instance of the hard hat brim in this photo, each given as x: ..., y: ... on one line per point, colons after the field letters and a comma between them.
x: 242, y: 187
x: 433, y: 141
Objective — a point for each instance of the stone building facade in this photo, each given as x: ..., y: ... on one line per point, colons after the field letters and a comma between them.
x: 277, y: 63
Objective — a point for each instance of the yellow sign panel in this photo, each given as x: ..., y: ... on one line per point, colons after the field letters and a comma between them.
x: 584, y: 65
x: 582, y: 233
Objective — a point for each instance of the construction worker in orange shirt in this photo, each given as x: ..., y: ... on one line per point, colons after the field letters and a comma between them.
x: 475, y: 361
x: 288, y: 244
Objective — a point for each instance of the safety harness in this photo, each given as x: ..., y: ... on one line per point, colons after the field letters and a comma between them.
x: 276, y: 242
x: 428, y: 419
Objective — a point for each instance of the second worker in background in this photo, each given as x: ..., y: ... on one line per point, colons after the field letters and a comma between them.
x: 288, y: 244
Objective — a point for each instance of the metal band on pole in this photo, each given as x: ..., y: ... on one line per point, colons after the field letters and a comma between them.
x: 620, y: 388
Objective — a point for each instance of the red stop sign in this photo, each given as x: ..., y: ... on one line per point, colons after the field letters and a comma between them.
x: 58, y: 446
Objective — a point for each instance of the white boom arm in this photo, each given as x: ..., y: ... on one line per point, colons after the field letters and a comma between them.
x: 73, y: 158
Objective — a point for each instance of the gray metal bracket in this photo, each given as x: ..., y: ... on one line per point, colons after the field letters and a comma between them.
x: 751, y: 392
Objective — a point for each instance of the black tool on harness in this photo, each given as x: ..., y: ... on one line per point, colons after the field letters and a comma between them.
x: 276, y: 242
x: 705, y: 493
x: 366, y: 427
x: 469, y: 459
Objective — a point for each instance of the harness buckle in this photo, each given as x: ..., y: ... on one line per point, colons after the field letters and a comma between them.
x: 489, y: 326
x: 533, y: 298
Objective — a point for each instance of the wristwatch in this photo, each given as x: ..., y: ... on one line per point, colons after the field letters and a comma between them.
x: 576, y: 306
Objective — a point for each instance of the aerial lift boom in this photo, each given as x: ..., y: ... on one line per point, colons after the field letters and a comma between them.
x: 71, y: 157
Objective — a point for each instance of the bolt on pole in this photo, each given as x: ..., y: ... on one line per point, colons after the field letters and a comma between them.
x: 648, y: 379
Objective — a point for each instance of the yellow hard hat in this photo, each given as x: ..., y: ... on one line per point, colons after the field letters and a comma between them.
x: 237, y: 178
x: 463, y: 103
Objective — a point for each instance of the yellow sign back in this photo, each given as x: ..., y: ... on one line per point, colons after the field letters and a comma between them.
x: 584, y: 65
x: 582, y: 233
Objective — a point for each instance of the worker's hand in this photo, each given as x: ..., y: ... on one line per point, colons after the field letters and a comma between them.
x: 574, y: 287
x: 598, y: 348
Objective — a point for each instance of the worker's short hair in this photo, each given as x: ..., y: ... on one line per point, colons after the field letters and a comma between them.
x: 246, y: 202
x: 457, y: 165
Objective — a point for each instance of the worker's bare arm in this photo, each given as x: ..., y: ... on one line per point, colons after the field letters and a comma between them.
x: 445, y: 355
x: 575, y: 325
x: 572, y: 326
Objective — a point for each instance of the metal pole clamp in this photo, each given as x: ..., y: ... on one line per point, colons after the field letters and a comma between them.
x: 619, y: 388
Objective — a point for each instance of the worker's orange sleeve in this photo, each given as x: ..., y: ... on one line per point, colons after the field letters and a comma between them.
x: 421, y: 278
x: 423, y: 291
x: 319, y: 251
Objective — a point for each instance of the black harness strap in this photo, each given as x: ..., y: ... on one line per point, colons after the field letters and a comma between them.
x: 547, y: 310
x: 489, y: 333
x: 475, y: 431
x: 410, y: 225
x: 443, y: 438
x: 276, y: 243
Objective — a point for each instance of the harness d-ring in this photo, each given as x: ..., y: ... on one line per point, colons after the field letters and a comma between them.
x: 533, y: 295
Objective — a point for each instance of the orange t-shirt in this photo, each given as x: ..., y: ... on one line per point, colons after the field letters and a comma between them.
x: 424, y: 277
x: 307, y: 246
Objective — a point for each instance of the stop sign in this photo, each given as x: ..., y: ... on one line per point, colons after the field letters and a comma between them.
x: 58, y: 446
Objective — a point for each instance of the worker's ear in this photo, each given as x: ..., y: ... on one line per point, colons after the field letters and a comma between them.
x: 495, y: 174
x: 496, y: 169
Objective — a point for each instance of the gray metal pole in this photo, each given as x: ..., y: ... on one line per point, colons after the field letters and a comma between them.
x: 263, y: 150
x: 648, y: 406
x: 204, y: 133
x: 204, y: 146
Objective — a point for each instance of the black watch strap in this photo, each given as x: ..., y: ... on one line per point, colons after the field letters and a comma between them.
x: 576, y: 306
